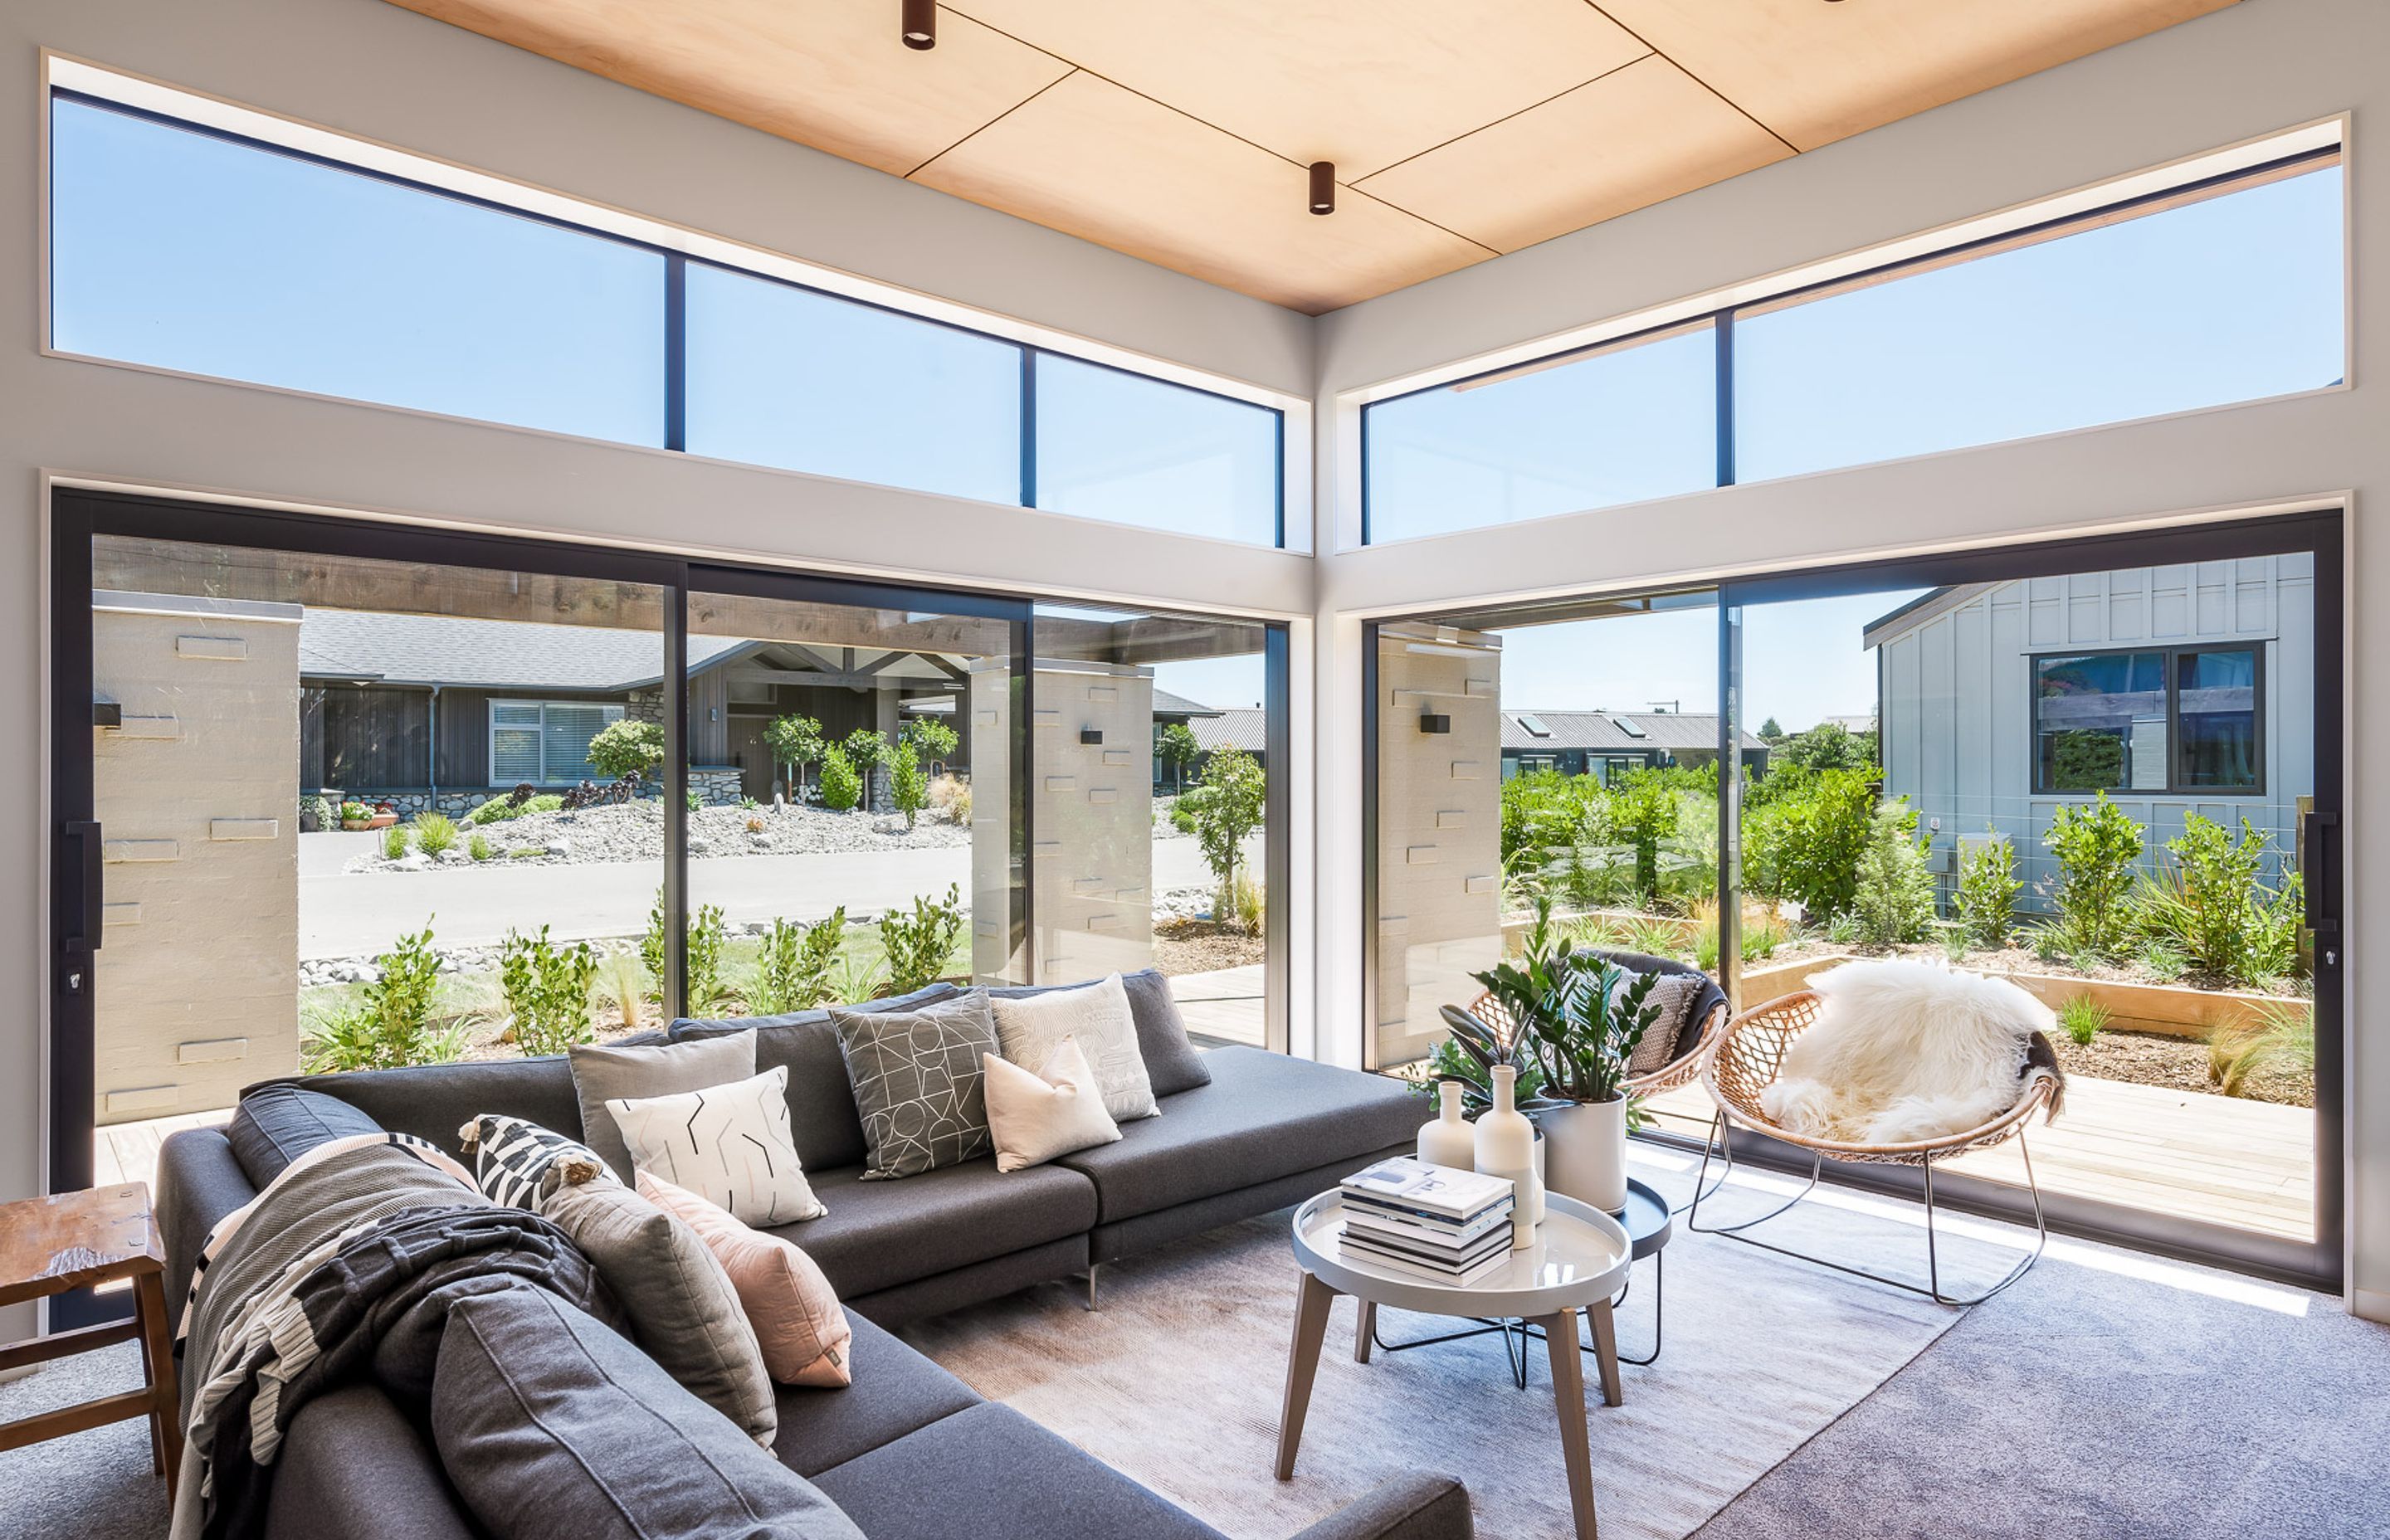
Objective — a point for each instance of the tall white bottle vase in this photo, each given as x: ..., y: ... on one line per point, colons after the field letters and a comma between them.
x: 1506, y: 1148
x: 1446, y: 1139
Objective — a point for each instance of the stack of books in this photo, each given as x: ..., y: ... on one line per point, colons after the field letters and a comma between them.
x: 1426, y: 1221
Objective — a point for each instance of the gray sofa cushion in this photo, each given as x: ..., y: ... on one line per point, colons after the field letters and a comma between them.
x: 433, y: 1102
x: 919, y: 1083
x: 551, y: 1425
x: 276, y: 1124
x: 895, y: 1391
x: 880, y: 1234
x: 992, y: 1474
x: 601, y: 1074
x: 1264, y: 1116
x: 821, y: 1103
x: 352, y: 1464
x: 1171, y: 1062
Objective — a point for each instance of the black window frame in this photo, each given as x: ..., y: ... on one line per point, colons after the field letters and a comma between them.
x: 2172, y: 653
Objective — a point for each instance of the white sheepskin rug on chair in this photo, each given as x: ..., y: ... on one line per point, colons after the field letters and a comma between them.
x: 1905, y: 1051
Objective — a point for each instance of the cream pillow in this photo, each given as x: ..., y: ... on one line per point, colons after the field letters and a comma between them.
x: 1029, y: 1029
x: 728, y: 1144
x: 805, y: 1336
x: 1036, y: 1117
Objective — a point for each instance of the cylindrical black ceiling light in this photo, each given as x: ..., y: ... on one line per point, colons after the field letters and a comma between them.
x: 921, y: 24
x: 1323, y: 186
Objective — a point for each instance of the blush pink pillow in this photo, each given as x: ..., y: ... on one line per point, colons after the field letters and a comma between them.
x: 795, y: 1313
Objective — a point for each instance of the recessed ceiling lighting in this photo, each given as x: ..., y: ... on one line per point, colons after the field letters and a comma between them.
x: 921, y: 24
x: 1323, y: 186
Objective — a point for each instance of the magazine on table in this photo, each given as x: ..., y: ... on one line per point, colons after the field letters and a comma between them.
x: 1494, y: 1262
x: 1428, y: 1253
x: 1432, y: 1193
x: 1394, y: 1225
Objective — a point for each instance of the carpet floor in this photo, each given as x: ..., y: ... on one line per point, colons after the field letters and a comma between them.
x: 2106, y: 1396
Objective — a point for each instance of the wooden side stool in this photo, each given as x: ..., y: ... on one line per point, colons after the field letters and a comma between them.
x: 70, y: 1240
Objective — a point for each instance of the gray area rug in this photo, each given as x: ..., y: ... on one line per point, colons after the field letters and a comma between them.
x: 1176, y: 1381
x: 89, y: 1484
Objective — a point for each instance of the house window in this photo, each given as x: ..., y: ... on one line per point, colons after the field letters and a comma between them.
x: 2152, y: 719
x: 545, y: 742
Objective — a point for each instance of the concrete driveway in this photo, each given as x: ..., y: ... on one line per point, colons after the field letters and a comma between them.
x: 355, y: 914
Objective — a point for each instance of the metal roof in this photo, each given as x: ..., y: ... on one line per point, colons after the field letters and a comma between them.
x: 1245, y: 727
x: 480, y: 654
x: 1167, y: 704
x: 1622, y: 732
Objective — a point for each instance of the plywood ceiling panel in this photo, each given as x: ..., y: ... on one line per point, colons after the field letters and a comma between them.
x: 1100, y: 161
x: 1581, y: 158
x: 828, y: 73
x: 1362, y: 82
x: 1815, y: 70
x: 1179, y: 132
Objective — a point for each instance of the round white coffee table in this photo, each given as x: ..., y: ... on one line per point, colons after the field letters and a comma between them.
x: 1580, y: 1259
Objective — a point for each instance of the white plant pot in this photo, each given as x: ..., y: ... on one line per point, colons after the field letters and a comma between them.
x: 1588, y: 1152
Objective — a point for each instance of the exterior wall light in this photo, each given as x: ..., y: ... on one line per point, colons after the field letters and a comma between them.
x: 1434, y: 721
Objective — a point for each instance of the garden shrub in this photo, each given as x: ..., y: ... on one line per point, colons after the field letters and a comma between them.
x: 390, y: 1025
x: 2279, y: 1038
x: 951, y: 797
x: 499, y: 810
x: 2082, y: 1018
x: 2097, y: 843
x: 793, y: 972
x: 842, y: 787
x: 866, y: 750
x: 1806, y: 847
x: 327, y: 812
x: 547, y: 990
x: 1225, y: 807
x: 1248, y: 905
x: 627, y: 747
x: 434, y: 832
x: 479, y: 847
x: 1892, y: 891
x: 1543, y: 812
x: 795, y: 742
x: 2212, y: 905
x: 919, y: 943
x: 1988, y: 886
x: 703, y: 945
x: 1643, y: 814
x: 393, y: 842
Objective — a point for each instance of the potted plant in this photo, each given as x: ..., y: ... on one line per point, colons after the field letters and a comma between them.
x: 356, y: 816
x: 383, y: 816
x: 1578, y: 1026
x: 1466, y: 1061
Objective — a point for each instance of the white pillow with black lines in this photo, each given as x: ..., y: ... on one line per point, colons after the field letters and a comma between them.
x: 728, y: 1144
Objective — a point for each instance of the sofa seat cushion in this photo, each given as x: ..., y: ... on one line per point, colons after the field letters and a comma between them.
x: 896, y: 1392
x: 1264, y: 1116
x: 991, y: 1474
x: 880, y: 1234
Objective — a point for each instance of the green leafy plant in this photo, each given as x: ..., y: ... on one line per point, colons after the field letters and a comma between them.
x: 1177, y: 747
x: 434, y: 833
x: 2082, y: 1018
x: 1955, y: 944
x: 1892, y: 891
x: 2164, y: 959
x: 627, y: 747
x: 917, y: 943
x: 842, y: 783
x: 857, y: 978
x: 2211, y: 903
x: 2085, y: 760
x: 1225, y: 807
x: 1827, y: 746
x: 1653, y: 937
x: 355, y: 813
x: 793, y: 971
x: 866, y: 750
x: 1642, y: 813
x: 1988, y: 886
x: 547, y: 990
x: 795, y: 742
x: 1762, y: 934
x: 908, y: 777
x: 499, y: 810
x: 1805, y: 844
x: 707, y: 936
x: 393, y: 842
x: 479, y: 847
x: 2097, y: 845
x: 326, y: 812
x: 1578, y: 1024
x: 389, y: 1023
x: 2275, y: 1039
x: 1842, y: 928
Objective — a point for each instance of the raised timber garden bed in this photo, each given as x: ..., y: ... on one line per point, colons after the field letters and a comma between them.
x: 2175, y: 1010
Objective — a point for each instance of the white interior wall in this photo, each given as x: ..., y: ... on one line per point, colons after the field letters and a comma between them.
x: 2234, y: 75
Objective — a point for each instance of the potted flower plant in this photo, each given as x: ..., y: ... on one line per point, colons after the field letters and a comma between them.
x: 1577, y: 1023
x: 356, y: 816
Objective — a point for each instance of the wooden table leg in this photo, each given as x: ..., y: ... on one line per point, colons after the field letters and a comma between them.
x: 1605, y: 1351
x: 157, y: 1355
x: 1568, y: 1398
x: 1364, y: 1328
x: 1302, y: 1363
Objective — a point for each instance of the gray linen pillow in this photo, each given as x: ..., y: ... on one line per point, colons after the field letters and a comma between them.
x: 551, y: 1426
x: 681, y: 1305
x: 1674, y: 993
x: 1173, y: 1063
x: 601, y: 1074
x: 919, y: 1084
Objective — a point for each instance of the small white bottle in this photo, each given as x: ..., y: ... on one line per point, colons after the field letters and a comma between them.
x: 1446, y: 1139
x: 1506, y: 1148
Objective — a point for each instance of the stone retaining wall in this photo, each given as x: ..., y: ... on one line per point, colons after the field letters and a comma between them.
x: 715, y: 784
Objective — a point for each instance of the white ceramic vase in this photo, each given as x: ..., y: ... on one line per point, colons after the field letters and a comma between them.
x: 1506, y: 1148
x: 1446, y: 1139
x: 1588, y: 1152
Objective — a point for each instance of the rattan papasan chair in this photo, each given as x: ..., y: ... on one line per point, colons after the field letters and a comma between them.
x: 1746, y: 1059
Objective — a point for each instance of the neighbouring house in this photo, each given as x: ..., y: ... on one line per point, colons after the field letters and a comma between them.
x: 2175, y: 689
x: 1245, y: 727
x: 1610, y: 743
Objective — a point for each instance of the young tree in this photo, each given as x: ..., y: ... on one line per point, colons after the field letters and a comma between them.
x: 626, y: 747
x: 1225, y: 807
x: 909, y: 780
x: 1771, y: 732
x: 866, y: 752
x: 1829, y: 746
x: 842, y: 784
x: 1892, y: 893
x: 1176, y: 747
x: 795, y: 742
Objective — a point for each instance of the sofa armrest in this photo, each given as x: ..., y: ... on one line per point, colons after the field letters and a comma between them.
x: 199, y: 1183
x: 1409, y: 1507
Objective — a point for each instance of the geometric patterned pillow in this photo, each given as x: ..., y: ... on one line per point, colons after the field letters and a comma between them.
x: 1673, y: 994
x: 728, y: 1144
x: 919, y: 1083
x: 519, y: 1164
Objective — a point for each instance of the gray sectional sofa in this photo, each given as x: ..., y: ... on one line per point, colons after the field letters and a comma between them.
x: 1264, y: 1131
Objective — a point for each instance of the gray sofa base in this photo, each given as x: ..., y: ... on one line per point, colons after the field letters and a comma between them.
x: 982, y: 1280
x: 1126, y: 1237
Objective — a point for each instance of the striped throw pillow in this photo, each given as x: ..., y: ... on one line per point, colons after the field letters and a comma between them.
x: 519, y: 1164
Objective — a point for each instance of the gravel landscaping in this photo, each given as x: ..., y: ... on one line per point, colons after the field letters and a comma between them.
x: 635, y: 831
